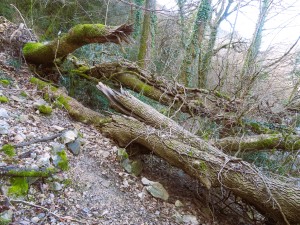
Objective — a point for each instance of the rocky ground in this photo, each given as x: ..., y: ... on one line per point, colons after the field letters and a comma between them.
x: 95, y: 189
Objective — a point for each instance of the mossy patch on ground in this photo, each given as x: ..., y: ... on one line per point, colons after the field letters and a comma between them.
x: 44, y: 109
x: 9, y: 150
x: 63, y: 164
x: 19, y: 186
x: 3, y: 99
x: 5, y: 82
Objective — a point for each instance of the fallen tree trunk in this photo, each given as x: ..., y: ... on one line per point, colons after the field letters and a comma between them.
x: 259, y: 142
x: 200, y: 159
x: 274, y: 198
x: 194, y: 101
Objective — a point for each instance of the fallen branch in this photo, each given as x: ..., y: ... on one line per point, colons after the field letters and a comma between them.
x: 14, y: 171
x: 43, y: 139
x: 79, y: 35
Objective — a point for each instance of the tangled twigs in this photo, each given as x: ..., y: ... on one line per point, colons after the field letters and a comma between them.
x: 61, y: 218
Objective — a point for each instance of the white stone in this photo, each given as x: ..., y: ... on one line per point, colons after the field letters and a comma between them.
x: 190, y: 219
x: 35, y: 219
x: 3, y: 113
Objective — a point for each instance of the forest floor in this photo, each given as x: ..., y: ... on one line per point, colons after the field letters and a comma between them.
x: 96, y: 189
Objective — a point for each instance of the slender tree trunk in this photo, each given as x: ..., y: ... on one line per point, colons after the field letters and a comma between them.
x: 145, y: 35
x: 251, y: 67
x: 188, y: 70
x: 205, y: 63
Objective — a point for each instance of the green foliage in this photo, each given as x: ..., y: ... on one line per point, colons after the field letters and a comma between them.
x: 45, y: 109
x: 85, y: 92
x: 61, y: 102
x: 9, y: 150
x: 63, y: 164
x: 122, y: 154
x: 3, y: 99
x: 278, y: 162
x: 4, y: 221
x: 23, y: 94
x: 19, y: 186
x: 5, y: 82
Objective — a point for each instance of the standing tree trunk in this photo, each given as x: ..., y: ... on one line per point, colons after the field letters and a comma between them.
x: 250, y: 70
x: 188, y: 70
x: 205, y: 63
x: 145, y: 35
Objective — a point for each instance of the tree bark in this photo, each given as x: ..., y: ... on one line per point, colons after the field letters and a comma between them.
x: 190, y: 100
x: 79, y: 35
x: 259, y: 142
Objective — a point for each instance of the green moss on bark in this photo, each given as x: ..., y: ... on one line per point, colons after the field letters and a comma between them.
x: 83, y: 31
x: 31, y: 173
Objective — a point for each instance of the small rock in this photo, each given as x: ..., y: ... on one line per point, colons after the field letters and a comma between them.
x: 178, y: 203
x: 33, y: 155
x: 156, y: 189
x: 68, y: 136
x: 31, y: 135
x: 24, y: 222
x: 19, y: 138
x: 41, y: 215
x: 3, y: 113
x: 4, y: 190
x: 39, y: 102
x: 35, y: 219
x: 44, y: 160
x: 145, y: 181
x: 105, y: 183
x: 15, y: 98
x: 74, y: 147
x: 104, y: 154
x: 85, y: 210
x: 6, y: 217
x: 58, y: 128
x: 178, y: 217
x: 55, y: 186
x: 133, y: 166
x: 190, y: 219
x: 4, y: 127
x: 23, y: 118
x: 125, y: 184
x: 57, y: 147
x: 141, y: 195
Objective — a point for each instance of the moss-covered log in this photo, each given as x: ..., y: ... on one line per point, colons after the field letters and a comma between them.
x: 79, y: 35
x: 75, y: 109
x: 259, y: 142
x: 13, y: 171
